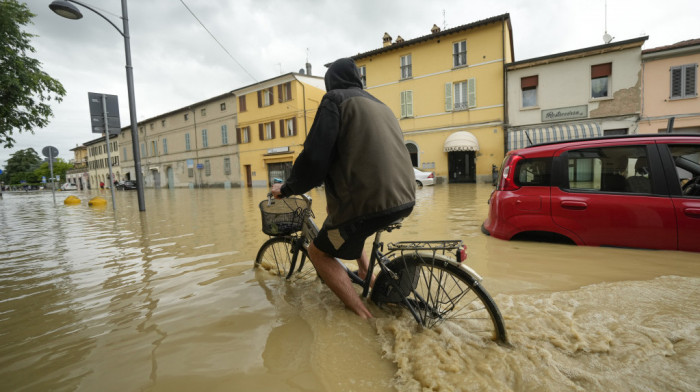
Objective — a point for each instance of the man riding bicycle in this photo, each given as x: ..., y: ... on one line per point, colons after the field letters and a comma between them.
x: 355, y: 148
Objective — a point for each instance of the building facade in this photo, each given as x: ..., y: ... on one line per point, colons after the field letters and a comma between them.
x: 98, y: 163
x: 670, y: 88
x: 274, y: 117
x: 447, y: 91
x: 79, y: 174
x: 192, y: 147
x: 583, y: 93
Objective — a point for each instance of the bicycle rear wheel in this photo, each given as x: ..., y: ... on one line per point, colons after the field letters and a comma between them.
x: 435, y: 290
x: 276, y: 255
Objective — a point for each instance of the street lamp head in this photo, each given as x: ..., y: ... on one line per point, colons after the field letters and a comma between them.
x: 65, y: 9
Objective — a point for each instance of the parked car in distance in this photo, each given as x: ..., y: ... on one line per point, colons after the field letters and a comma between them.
x: 637, y: 191
x: 424, y: 178
x: 69, y: 187
x: 126, y: 185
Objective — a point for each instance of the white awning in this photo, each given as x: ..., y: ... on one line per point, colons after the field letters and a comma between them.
x: 461, y: 141
x: 523, y: 137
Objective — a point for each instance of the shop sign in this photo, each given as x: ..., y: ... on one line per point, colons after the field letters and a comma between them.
x: 567, y: 113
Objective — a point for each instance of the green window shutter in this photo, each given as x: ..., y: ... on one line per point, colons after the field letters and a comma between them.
x: 409, y: 103
x: 471, y: 92
x: 403, y: 104
x: 448, y: 97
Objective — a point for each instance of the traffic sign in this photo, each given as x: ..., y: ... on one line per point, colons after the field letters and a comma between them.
x: 50, y: 151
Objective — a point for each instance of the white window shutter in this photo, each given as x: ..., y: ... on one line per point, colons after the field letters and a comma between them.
x: 409, y: 103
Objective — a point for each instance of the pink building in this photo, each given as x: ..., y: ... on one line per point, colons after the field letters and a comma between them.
x: 670, y: 88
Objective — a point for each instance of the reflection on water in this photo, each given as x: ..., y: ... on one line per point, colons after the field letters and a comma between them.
x: 166, y: 300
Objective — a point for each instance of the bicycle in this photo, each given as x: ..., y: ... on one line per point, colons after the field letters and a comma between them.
x: 428, y: 278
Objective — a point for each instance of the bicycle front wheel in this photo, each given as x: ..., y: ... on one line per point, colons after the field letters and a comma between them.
x: 279, y: 256
x: 437, y: 290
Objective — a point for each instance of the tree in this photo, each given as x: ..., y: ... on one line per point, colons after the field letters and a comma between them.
x: 21, y: 166
x: 60, y: 167
x: 25, y: 90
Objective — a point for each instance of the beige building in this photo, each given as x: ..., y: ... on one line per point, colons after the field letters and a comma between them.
x: 98, y: 164
x: 79, y: 174
x: 670, y: 88
x: 193, y: 147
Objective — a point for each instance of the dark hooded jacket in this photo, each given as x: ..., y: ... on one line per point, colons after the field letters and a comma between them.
x: 355, y: 147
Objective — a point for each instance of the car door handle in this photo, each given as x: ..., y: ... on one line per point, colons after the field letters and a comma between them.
x: 692, y: 212
x: 574, y: 205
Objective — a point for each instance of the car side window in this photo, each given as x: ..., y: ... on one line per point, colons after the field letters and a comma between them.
x: 687, y: 161
x: 533, y: 172
x: 623, y: 169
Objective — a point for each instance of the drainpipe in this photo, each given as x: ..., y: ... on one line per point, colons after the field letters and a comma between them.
x: 196, y: 147
x: 505, y: 87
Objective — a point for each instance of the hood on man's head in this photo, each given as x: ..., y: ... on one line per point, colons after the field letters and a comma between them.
x: 343, y: 73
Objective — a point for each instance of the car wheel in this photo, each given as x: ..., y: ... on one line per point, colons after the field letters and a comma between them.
x: 419, y: 183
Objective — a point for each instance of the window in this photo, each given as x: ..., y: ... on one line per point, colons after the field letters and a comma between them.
x: 684, y: 81
x: 243, y: 135
x: 288, y: 127
x: 363, y: 76
x: 187, y: 116
x: 284, y: 91
x: 165, y: 146
x: 600, y: 80
x: 203, y: 112
x: 464, y: 95
x: 610, y: 169
x: 406, y: 67
x: 124, y: 154
x: 241, y: 103
x: 267, y: 131
x: 205, y: 138
x: 187, y: 142
x: 459, y: 53
x: 207, y: 167
x: 143, y: 150
x: 533, y: 172
x: 265, y: 97
x: 151, y: 125
x: 406, y: 104
x: 222, y: 106
x: 154, y: 148
x: 224, y: 134
x: 687, y: 161
x: 528, y: 86
x: 162, y: 123
x: 227, y: 166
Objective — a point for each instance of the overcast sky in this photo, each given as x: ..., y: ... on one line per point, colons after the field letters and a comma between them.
x: 176, y: 62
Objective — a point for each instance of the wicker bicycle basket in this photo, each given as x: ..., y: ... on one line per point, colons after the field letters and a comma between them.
x: 283, y: 216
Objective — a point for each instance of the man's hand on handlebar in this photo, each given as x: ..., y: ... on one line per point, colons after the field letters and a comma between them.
x: 276, y: 191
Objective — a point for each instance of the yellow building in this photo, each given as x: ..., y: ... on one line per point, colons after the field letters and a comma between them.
x: 274, y: 117
x: 447, y: 90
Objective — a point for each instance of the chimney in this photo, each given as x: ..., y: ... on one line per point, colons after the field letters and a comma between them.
x: 399, y: 39
x: 308, y: 69
x: 435, y: 29
x: 386, y: 39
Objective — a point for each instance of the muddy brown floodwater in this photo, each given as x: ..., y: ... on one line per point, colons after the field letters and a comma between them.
x: 167, y: 300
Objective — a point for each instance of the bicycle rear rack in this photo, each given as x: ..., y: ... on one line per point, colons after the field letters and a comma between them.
x: 436, y: 247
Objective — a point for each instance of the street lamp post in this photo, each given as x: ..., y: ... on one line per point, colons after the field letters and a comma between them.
x: 65, y: 9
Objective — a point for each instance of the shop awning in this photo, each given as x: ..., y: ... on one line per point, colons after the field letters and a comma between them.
x: 518, y: 137
x: 461, y: 141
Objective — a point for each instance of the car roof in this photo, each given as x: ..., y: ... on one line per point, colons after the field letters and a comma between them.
x: 623, y: 139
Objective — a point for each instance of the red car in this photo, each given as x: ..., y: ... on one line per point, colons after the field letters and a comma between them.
x: 637, y: 191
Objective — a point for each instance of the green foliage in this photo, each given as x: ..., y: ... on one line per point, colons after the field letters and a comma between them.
x: 25, y: 90
x: 21, y: 167
x: 59, y: 169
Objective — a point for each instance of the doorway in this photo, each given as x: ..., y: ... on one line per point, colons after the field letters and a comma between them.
x: 462, y: 167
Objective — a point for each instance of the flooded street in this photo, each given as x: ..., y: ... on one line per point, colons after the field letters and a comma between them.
x: 93, y: 299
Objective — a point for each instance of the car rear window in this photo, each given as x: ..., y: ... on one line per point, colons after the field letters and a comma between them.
x: 533, y: 172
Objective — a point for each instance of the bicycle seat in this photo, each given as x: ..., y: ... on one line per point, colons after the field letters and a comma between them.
x: 393, y: 225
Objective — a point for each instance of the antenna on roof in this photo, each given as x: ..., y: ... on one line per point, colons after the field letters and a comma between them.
x: 444, y: 21
x: 607, y: 38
